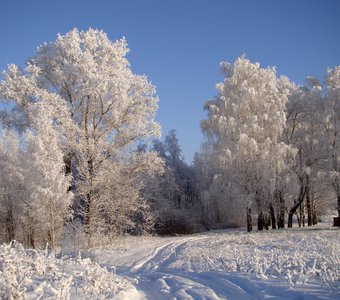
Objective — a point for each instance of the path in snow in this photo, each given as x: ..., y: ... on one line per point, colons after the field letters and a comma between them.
x: 157, y: 275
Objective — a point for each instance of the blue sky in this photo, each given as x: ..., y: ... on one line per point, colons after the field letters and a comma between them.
x: 179, y: 44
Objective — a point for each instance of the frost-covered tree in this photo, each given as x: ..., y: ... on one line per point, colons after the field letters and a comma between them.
x: 161, y: 193
x: 331, y: 131
x: 303, y: 133
x: 245, y: 122
x: 102, y: 108
x: 121, y: 206
x: 172, y: 147
x: 47, y: 200
x: 35, y: 200
x: 11, y: 180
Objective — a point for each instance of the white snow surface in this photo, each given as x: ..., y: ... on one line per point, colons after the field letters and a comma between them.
x: 227, y: 264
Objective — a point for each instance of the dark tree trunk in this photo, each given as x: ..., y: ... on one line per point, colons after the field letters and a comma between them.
x: 282, y: 212
x: 260, y: 221
x: 297, y: 204
x: 338, y: 197
x: 301, y: 218
x: 308, y: 203
x: 68, y: 172
x: 9, y: 225
x: 31, y: 236
x: 9, y: 219
x: 90, y: 176
x: 272, y: 215
x: 315, y: 212
x: 249, y: 220
x: 88, y: 210
x: 89, y: 203
x: 303, y: 215
x: 290, y: 220
x: 68, y: 168
x: 267, y: 222
x: 309, y: 212
x: 30, y: 239
x: 50, y: 238
x: 88, y: 217
x: 68, y: 164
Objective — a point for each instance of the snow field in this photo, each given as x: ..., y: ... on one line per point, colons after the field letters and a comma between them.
x: 231, y: 264
x: 227, y: 264
x: 298, y: 258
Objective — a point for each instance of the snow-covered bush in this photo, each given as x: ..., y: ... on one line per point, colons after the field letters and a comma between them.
x: 36, y: 274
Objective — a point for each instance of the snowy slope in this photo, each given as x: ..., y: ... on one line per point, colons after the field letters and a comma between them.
x: 230, y: 264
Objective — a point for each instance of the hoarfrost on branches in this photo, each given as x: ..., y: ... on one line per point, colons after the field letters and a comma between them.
x: 83, y: 84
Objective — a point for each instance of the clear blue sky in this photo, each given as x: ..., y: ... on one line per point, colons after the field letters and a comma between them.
x: 178, y: 44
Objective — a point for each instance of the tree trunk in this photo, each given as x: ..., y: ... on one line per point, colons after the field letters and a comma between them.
x: 296, y: 206
x: 260, y: 221
x: 315, y: 213
x: 301, y: 218
x: 50, y: 239
x: 290, y: 220
x: 31, y: 236
x: 249, y: 220
x: 51, y: 231
x: 90, y: 178
x: 68, y: 167
x: 267, y: 222
x: 282, y: 212
x: 29, y: 232
x: 308, y: 202
x: 88, y: 218
x: 10, y: 229
x: 338, y: 196
x: 272, y: 215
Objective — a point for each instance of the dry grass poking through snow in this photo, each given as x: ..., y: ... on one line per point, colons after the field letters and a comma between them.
x: 298, y: 256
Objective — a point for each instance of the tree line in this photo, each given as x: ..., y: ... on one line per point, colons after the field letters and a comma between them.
x: 81, y: 155
x: 272, y: 146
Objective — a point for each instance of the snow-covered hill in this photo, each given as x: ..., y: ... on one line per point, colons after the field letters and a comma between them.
x: 229, y: 264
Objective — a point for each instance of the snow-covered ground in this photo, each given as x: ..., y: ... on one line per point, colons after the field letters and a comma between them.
x: 229, y: 264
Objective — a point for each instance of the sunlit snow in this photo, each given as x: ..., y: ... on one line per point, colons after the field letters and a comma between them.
x: 228, y: 264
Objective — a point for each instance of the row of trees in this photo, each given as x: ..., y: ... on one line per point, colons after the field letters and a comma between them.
x: 80, y: 150
x: 272, y: 146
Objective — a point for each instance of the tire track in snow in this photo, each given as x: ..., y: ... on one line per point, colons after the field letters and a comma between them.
x: 157, y: 281
x: 142, y: 262
x: 160, y: 255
